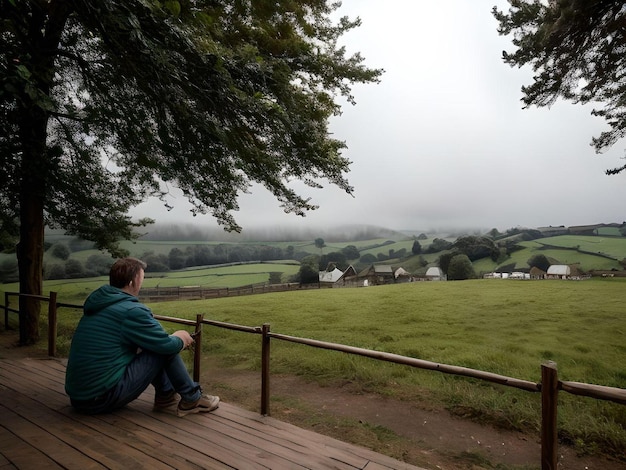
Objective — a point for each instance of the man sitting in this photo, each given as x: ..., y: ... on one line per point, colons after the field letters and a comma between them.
x: 119, y: 348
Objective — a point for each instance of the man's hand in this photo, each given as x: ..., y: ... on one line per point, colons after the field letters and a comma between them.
x: 185, y: 336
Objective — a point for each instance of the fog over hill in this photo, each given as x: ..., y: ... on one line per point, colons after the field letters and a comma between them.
x: 191, y: 232
x: 341, y: 233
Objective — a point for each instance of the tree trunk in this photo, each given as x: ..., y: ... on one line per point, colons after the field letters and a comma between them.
x: 39, y: 50
x: 30, y: 263
x: 32, y: 192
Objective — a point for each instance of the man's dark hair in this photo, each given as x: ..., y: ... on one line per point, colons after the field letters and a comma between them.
x: 125, y: 270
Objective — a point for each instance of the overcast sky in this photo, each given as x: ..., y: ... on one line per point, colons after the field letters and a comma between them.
x: 443, y: 142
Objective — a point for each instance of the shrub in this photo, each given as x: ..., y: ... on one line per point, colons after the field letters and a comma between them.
x: 309, y: 272
x: 61, y: 251
x: 460, y: 268
x: 276, y: 277
x: 99, y: 265
x: 8, y: 270
x: 368, y: 259
x: 74, y: 269
x: 54, y: 271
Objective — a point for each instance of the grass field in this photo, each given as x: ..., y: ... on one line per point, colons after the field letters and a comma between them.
x: 501, y: 326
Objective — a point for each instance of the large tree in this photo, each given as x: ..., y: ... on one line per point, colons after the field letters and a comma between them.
x: 577, y: 49
x: 105, y: 103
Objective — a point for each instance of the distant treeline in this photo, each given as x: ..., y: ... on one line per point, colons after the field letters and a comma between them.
x: 195, y: 233
x: 60, y: 264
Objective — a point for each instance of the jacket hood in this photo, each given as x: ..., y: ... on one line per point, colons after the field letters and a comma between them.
x: 104, y: 297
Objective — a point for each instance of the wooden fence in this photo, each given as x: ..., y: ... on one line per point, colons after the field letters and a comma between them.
x: 549, y: 386
x: 163, y: 294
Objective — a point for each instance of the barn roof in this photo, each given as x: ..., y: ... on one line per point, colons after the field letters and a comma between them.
x: 401, y: 272
x: 559, y: 270
x: 330, y: 276
x: 383, y: 268
x: 535, y: 271
x: 380, y: 269
x: 434, y: 271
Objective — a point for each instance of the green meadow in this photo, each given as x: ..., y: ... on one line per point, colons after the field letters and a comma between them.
x: 502, y: 326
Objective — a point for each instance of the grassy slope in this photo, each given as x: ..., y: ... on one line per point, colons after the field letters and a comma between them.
x: 568, y: 254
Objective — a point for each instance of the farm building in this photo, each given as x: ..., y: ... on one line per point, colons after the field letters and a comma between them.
x: 402, y: 275
x: 559, y: 271
x: 584, y: 229
x: 537, y: 273
x: 334, y: 277
x: 519, y: 275
x: 553, y: 231
x: 330, y: 276
x: 435, y: 273
x: 377, y: 274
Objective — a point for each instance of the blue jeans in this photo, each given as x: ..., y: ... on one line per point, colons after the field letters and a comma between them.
x: 165, y: 373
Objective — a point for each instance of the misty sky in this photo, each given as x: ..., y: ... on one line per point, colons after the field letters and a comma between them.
x: 443, y: 142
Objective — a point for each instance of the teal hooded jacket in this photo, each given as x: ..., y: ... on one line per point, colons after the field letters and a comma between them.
x: 114, y: 326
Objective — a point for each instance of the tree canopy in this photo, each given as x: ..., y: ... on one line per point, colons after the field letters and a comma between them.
x: 103, y: 104
x: 576, y: 49
x: 540, y: 261
x: 460, y: 268
x: 476, y: 247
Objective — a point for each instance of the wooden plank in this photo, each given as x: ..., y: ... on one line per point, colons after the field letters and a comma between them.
x: 377, y: 466
x: 223, y: 449
x: 333, y: 447
x: 76, y: 438
x: 342, y: 455
x: 184, y: 443
x: 283, y: 442
x: 131, y: 431
x: 228, y: 445
x: 136, y: 436
x: 248, y: 453
x: 63, y: 455
x: 20, y: 454
x: 135, y: 440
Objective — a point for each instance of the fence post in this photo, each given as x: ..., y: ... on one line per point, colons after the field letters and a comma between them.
x: 52, y: 324
x: 549, y: 400
x: 6, y: 311
x: 197, y: 352
x: 265, y: 370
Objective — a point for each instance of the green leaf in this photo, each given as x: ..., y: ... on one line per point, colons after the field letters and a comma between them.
x: 23, y: 72
x: 173, y: 7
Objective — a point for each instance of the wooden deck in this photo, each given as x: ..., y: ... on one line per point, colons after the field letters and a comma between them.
x: 38, y: 429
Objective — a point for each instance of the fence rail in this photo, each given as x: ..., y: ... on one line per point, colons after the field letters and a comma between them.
x: 163, y: 294
x: 549, y: 386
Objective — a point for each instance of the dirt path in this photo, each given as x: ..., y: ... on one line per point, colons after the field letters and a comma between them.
x: 431, y: 438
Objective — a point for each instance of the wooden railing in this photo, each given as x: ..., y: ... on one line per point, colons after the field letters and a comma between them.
x: 166, y: 294
x: 53, y: 307
x: 549, y: 386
